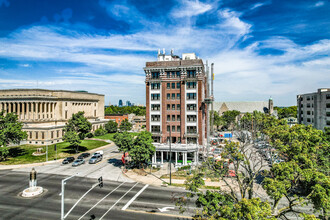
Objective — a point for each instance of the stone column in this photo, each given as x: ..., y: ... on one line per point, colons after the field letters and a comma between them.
x: 155, y: 155
x: 48, y: 110
x: 176, y: 158
x: 19, y: 110
x: 33, y: 111
x: 162, y: 155
x: 54, y: 111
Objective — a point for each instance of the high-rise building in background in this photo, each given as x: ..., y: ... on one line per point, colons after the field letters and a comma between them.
x: 120, y: 103
x: 175, y: 105
x: 314, y: 109
x: 128, y: 103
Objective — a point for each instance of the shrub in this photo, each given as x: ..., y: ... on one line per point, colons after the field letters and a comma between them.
x: 100, y: 132
x: 89, y: 135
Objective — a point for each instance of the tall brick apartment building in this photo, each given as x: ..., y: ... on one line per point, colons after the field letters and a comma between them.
x: 175, y: 94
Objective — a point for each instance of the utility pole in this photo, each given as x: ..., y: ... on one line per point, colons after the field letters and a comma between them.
x: 62, y: 195
x: 207, y: 111
x: 212, y: 98
x: 170, y: 157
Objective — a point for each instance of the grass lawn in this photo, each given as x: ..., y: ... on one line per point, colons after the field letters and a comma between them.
x: 23, y: 154
x: 110, y: 136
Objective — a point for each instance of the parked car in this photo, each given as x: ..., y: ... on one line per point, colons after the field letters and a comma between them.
x: 78, y: 162
x: 68, y: 160
x: 84, y: 155
x: 99, y: 152
x: 95, y: 158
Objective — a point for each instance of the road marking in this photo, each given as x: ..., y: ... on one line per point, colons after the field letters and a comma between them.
x: 132, y: 200
x: 162, y: 214
x: 101, y: 200
x: 118, y: 201
x: 165, y: 209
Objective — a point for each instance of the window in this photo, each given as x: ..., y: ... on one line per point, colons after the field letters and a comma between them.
x: 173, y: 106
x: 173, y: 85
x: 173, y: 117
x: 191, y: 118
x: 155, y: 107
x: 328, y: 114
x: 30, y: 134
x: 155, y: 75
x: 155, y: 96
x: 191, y: 107
x: 308, y: 98
x: 191, y: 129
x: 42, y: 135
x: 308, y: 112
x: 191, y: 85
x: 191, y: 140
x: 308, y: 105
x: 173, y: 95
x: 328, y: 122
x: 155, y: 128
x: 168, y: 96
x: 301, y: 105
x: 178, y: 107
x: 178, y: 85
x: 168, y: 107
x: 308, y: 120
x: 36, y: 135
x: 168, y: 128
x: 178, y: 74
x: 58, y: 133
x: 52, y: 134
x: 155, y: 85
x: 191, y: 73
x: 191, y: 96
x: 173, y: 128
x: 178, y: 117
x: 66, y: 114
x: 155, y: 117
x: 328, y: 105
x: 327, y: 96
x: 168, y: 74
x: 178, y: 96
x: 156, y: 139
x: 168, y: 85
x: 168, y: 118
x: 178, y: 128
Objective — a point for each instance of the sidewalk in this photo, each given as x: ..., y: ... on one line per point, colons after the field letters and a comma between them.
x: 9, y: 167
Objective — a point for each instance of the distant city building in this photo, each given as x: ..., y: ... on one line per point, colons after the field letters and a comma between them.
x: 175, y: 101
x: 45, y: 112
x: 120, y: 103
x: 314, y: 109
x: 128, y: 103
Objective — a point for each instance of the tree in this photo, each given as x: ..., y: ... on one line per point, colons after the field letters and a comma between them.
x: 229, y: 118
x: 111, y: 127
x: 125, y: 125
x: 100, y: 131
x: 10, y: 132
x: 301, y: 179
x: 142, y: 149
x: 217, y: 120
x: 286, y: 112
x: 124, y: 141
x: 79, y: 124
x: 73, y: 138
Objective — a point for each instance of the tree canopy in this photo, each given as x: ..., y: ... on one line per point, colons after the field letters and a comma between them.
x: 125, y: 125
x: 301, y: 179
x: 285, y: 112
x: 111, y: 127
x: 10, y: 132
x: 137, y: 110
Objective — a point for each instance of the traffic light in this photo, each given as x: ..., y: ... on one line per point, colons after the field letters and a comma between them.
x: 100, y: 182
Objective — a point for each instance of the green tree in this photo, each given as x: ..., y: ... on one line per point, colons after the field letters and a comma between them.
x: 217, y: 120
x: 125, y: 125
x: 100, y: 131
x: 286, y: 112
x: 10, y: 132
x: 124, y: 141
x: 79, y: 124
x: 142, y: 149
x: 111, y: 127
x: 73, y: 138
x: 229, y: 118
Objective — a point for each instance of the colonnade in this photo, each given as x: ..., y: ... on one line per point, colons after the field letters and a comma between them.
x: 30, y: 110
x: 175, y: 159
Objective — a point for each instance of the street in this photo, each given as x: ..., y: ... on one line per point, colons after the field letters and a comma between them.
x: 103, y: 203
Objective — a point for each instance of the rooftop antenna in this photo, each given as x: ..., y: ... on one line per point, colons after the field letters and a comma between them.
x: 172, y: 52
x: 164, y: 51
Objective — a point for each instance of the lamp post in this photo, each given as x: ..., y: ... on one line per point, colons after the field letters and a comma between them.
x: 170, y: 157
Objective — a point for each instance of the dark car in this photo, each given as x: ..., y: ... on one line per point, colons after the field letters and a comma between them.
x: 95, y: 158
x: 68, y: 160
x: 78, y: 162
x: 84, y: 155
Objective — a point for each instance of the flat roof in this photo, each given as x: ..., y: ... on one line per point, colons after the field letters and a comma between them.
x: 48, y: 90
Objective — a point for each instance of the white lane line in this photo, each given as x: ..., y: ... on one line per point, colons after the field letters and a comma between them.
x: 118, y: 201
x: 101, y: 200
x: 132, y: 200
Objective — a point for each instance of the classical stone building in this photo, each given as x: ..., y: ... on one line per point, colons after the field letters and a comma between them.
x: 314, y: 109
x: 175, y: 104
x: 45, y: 112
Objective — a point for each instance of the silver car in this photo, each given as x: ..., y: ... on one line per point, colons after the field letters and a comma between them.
x: 95, y: 158
x: 78, y: 162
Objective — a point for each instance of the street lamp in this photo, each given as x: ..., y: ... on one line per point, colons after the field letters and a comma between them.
x: 170, y: 157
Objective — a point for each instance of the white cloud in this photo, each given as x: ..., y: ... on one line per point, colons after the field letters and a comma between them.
x: 233, y: 23
x: 189, y: 8
x: 319, y: 4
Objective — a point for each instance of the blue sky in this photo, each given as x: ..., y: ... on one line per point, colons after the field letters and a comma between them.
x: 261, y: 49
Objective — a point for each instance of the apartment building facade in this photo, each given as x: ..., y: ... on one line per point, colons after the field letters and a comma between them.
x: 314, y: 109
x: 175, y: 107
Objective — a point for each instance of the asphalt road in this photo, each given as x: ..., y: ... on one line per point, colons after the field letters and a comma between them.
x: 103, y: 203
